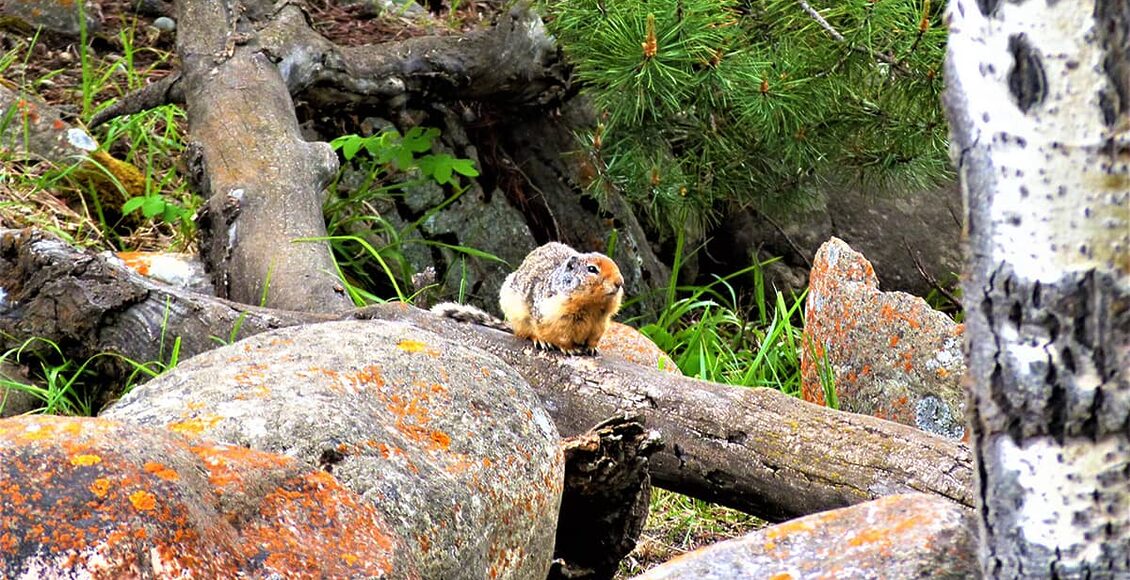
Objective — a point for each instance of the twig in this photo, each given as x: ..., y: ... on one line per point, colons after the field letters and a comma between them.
x: 929, y: 278
x: 840, y: 38
x: 796, y: 248
x: 162, y: 92
x: 820, y: 19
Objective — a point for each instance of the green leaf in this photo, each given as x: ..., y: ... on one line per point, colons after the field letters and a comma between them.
x: 132, y: 204
x: 417, y: 140
x: 442, y: 173
x: 350, y: 147
x: 464, y: 167
x: 404, y: 160
x: 152, y: 206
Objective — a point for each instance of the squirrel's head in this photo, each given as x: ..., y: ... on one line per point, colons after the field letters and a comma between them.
x: 596, y: 270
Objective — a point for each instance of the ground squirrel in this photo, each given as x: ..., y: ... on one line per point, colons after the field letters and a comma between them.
x: 558, y: 298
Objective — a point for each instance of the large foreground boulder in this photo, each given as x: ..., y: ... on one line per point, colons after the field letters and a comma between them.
x: 449, y: 444
x: 94, y: 498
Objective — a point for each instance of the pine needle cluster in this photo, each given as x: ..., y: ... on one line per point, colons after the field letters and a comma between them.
x: 708, y: 103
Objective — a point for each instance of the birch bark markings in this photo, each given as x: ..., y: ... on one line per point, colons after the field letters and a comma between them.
x: 1038, y: 97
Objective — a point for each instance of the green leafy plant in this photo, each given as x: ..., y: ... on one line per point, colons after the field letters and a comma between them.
x: 151, y: 140
x: 391, y: 164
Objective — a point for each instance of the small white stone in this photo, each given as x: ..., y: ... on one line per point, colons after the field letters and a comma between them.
x: 81, y: 139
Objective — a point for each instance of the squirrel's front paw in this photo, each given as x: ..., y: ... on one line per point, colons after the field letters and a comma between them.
x: 574, y: 351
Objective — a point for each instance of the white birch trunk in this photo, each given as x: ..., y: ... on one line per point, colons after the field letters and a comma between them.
x: 1039, y: 103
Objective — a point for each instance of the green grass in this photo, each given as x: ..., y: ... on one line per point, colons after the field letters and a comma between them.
x: 711, y: 337
x: 94, y: 201
x: 63, y: 386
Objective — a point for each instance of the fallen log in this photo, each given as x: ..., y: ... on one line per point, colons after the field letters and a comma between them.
x: 756, y: 450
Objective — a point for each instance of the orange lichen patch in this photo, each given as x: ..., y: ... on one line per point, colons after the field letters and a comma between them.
x: 368, y: 376
x: 869, y: 536
x: 228, y: 465
x: 328, y: 531
x: 253, y: 374
x: 894, y: 341
x: 196, y: 425
x: 195, y: 405
x: 325, y: 530
x: 143, y: 500
x: 162, y: 471
x: 782, y: 576
x: 794, y: 527
x: 137, y: 261
x: 100, y: 487
x: 414, y: 346
x: 85, y: 459
x: 440, y: 440
x: 460, y: 465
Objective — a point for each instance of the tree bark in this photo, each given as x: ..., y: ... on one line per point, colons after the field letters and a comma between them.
x: 756, y: 450
x: 262, y: 181
x: 606, y: 498
x: 1038, y: 95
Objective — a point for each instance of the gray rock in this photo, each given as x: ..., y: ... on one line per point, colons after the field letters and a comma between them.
x: 37, y: 130
x: 447, y: 442
x: 900, y: 536
x: 375, y: 8
x: 15, y: 401
x: 165, y: 24
x: 59, y: 17
x: 890, y: 354
x: 893, y: 231
x: 489, y: 224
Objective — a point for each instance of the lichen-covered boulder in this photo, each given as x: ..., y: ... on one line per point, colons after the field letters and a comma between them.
x: 94, y: 498
x: 898, y: 536
x: 890, y: 355
x: 449, y: 444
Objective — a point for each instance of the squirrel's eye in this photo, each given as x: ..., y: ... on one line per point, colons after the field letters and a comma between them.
x: 593, y: 269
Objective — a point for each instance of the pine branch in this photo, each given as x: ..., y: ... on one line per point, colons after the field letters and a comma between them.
x: 840, y: 38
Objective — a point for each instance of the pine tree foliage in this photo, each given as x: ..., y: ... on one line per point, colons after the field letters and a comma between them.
x: 704, y: 103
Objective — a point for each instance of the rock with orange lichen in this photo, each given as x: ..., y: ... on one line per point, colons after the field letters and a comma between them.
x: 37, y: 130
x: 627, y: 342
x: 889, y: 353
x: 446, y: 441
x: 898, y: 536
x: 59, y: 16
x: 95, y: 498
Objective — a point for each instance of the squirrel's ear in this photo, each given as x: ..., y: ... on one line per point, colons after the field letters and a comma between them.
x: 571, y: 263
